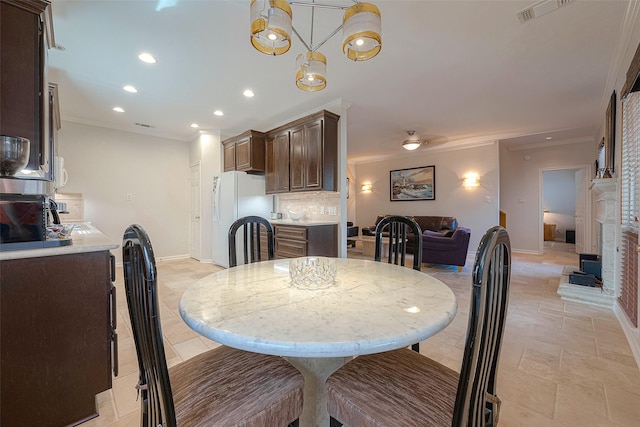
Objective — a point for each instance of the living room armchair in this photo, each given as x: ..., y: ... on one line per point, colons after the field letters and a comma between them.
x: 437, y: 248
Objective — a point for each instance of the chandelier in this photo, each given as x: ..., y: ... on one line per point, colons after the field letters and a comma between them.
x: 272, y: 27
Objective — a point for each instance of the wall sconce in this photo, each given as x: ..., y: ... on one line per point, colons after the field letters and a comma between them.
x: 471, y: 180
x: 367, y: 187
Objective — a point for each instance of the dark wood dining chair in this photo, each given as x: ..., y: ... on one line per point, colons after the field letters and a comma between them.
x: 221, y: 387
x: 402, y: 387
x: 395, y: 228
x: 252, y: 227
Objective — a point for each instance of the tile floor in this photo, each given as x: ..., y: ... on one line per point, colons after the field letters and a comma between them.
x: 562, y: 364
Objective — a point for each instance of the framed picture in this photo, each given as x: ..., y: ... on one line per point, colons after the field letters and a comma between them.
x: 610, y: 135
x: 413, y: 184
x: 347, y: 188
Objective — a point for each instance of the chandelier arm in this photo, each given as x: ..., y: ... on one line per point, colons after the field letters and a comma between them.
x: 300, y: 38
x: 327, y: 38
x: 324, y: 5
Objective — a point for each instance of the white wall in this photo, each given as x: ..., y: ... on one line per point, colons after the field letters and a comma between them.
x: 520, y: 187
x: 476, y: 209
x: 106, y: 164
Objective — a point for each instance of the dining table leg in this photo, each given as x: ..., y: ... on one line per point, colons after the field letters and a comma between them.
x: 316, y: 370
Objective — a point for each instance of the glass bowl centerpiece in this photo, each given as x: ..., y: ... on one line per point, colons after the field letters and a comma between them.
x: 312, y: 272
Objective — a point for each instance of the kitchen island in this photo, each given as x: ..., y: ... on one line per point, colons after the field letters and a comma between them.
x: 57, y: 330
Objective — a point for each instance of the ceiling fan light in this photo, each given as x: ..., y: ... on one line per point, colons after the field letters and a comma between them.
x: 410, y: 145
x: 271, y: 26
x: 361, y: 32
x: 311, y: 71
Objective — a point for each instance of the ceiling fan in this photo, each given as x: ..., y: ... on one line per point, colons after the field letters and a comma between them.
x: 413, y: 141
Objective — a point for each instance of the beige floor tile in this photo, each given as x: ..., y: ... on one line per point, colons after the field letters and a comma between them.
x: 188, y: 349
x: 623, y: 405
x: 582, y: 405
x: 528, y: 391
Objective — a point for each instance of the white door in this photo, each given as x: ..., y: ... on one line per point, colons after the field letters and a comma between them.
x: 195, y: 228
x: 580, y: 209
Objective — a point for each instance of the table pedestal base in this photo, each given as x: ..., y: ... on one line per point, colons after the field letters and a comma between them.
x: 316, y: 371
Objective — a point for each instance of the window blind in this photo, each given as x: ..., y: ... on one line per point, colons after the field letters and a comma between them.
x: 630, y: 206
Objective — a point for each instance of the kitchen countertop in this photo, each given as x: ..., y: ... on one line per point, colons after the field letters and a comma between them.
x: 303, y: 222
x: 87, y: 238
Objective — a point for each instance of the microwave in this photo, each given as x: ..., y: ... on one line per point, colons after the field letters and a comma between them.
x: 23, y: 218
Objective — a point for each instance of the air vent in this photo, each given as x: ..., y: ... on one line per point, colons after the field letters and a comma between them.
x: 541, y: 8
x: 144, y: 125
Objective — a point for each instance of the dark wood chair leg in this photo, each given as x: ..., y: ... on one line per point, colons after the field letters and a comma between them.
x: 416, y: 347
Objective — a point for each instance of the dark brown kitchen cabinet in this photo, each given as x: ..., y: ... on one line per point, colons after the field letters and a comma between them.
x: 293, y: 241
x: 245, y: 152
x: 277, y: 162
x: 57, y: 330
x: 24, y: 97
x: 313, y: 153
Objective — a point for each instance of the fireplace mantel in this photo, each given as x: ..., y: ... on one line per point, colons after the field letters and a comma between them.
x: 605, y: 197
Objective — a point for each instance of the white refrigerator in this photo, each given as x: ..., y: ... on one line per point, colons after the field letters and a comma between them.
x: 235, y: 195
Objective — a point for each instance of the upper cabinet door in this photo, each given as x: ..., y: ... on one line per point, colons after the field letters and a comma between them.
x: 297, y: 159
x: 277, y: 163
x: 229, y: 151
x: 313, y: 155
x: 24, y: 96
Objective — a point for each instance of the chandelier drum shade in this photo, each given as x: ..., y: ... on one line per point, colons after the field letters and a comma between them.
x: 311, y: 71
x: 272, y: 27
x: 361, y: 29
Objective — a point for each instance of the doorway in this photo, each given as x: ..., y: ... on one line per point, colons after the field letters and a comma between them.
x: 565, y: 209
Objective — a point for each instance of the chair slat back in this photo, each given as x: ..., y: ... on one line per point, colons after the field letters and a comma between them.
x: 396, y: 228
x: 140, y: 280
x: 251, y: 242
x: 474, y: 405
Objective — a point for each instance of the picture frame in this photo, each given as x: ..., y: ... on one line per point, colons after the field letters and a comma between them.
x: 610, y: 135
x: 347, y: 188
x: 412, y: 184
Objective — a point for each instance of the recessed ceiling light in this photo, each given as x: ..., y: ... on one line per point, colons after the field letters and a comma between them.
x: 118, y: 109
x: 147, y: 57
x: 248, y: 93
x: 218, y: 113
x: 194, y: 125
x: 130, y: 88
x: 549, y: 137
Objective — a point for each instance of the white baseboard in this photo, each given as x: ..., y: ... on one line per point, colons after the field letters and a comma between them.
x: 632, y: 333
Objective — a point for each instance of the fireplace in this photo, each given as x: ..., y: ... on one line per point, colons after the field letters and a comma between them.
x: 605, y: 197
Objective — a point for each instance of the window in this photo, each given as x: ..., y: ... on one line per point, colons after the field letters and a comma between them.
x: 630, y: 206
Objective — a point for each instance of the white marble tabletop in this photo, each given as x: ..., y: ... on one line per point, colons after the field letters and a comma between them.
x: 371, y: 307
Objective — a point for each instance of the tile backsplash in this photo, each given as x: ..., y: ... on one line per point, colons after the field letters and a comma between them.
x: 317, y: 205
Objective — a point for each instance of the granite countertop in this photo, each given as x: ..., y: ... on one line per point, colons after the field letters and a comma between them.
x: 85, y: 237
x: 303, y: 222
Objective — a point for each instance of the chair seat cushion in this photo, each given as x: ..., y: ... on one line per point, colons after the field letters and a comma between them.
x: 230, y: 387
x: 395, y: 388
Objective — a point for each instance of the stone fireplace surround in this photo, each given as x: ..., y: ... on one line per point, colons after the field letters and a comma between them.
x: 605, y: 195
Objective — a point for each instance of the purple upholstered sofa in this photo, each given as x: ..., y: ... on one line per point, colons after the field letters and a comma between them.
x: 449, y: 248
x: 443, y: 241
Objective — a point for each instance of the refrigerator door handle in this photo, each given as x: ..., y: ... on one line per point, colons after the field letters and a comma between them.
x: 216, y: 202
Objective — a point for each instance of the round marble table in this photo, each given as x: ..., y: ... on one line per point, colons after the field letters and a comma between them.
x: 371, y: 307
